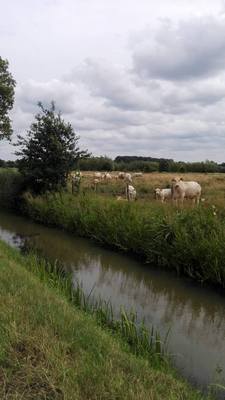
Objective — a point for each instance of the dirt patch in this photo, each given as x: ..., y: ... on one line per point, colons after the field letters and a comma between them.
x: 28, y: 375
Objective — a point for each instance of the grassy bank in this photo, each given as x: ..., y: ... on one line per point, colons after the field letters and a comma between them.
x: 189, y: 241
x: 50, y: 349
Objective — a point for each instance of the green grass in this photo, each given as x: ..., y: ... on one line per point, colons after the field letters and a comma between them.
x: 49, y: 349
x: 136, y: 335
x: 189, y: 241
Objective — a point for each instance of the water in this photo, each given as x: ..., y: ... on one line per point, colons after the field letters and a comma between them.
x: 194, y: 315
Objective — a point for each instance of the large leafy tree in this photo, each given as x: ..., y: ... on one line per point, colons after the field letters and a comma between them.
x: 49, y: 151
x: 7, y: 85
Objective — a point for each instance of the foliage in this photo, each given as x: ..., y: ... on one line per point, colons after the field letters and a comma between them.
x: 8, y: 164
x: 49, y: 151
x: 11, y: 186
x: 7, y: 84
x: 148, y: 164
x: 96, y: 164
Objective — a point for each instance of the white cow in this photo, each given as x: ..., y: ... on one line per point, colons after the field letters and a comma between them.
x: 98, y: 175
x: 131, y: 192
x: 185, y: 190
x: 163, y: 194
x: 121, y: 175
x: 95, y: 184
x: 107, y: 176
x: 137, y: 174
x: 128, y: 178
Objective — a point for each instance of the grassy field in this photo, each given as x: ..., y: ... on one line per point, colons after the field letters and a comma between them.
x: 213, y: 185
x: 49, y: 349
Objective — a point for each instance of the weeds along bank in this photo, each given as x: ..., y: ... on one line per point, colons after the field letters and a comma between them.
x: 189, y: 241
x: 51, y: 349
x: 11, y: 185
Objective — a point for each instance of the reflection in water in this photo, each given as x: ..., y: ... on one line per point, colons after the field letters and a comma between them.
x: 195, y: 316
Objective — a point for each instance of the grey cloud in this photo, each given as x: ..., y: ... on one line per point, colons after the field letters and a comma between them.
x: 31, y: 92
x: 114, y: 84
x: 183, y: 118
x: 191, y: 49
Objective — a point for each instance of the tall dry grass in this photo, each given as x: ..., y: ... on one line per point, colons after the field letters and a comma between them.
x: 213, y: 185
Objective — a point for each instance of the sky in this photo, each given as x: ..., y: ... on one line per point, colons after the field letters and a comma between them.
x: 133, y: 77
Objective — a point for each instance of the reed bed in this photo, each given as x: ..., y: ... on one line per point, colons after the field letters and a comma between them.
x: 142, y: 341
x: 190, y: 241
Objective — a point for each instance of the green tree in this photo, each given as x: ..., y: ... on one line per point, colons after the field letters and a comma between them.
x: 164, y: 165
x: 7, y: 84
x: 48, y: 152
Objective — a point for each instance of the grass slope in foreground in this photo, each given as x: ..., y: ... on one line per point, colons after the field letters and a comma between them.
x: 51, y: 350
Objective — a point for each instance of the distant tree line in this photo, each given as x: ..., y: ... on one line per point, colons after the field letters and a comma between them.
x: 147, y: 164
x: 8, y: 164
x: 141, y: 164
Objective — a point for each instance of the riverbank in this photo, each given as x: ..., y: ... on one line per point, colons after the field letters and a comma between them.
x: 188, y: 241
x: 51, y: 349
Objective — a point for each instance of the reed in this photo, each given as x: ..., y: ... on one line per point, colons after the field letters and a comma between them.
x: 141, y: 341
x: 188, y: 241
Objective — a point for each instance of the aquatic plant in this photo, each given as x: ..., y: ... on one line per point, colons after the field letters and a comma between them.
x: 141, y: 341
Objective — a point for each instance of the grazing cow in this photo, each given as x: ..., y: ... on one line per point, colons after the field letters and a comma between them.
x: 98, y: 175
x: 107, y: 176
x: 137, y: 174
x: 121, y: 175
x: 185, y: 190
x: 120, y: 198
x: 128, y: 178
x: 131, y: 192
x: 95, y: 183
x: 163, y: 194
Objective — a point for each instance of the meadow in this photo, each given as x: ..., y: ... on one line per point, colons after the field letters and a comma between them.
x: 213, y: 185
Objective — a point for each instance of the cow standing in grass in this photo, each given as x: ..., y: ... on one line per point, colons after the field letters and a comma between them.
x: 185, y: 190
x: 163, y: 194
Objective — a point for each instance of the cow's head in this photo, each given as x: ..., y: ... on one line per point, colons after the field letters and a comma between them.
x: 175, y: 182
x: 157, y: 192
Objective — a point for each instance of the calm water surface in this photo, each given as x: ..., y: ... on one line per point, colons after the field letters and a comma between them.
x: 194, y: 315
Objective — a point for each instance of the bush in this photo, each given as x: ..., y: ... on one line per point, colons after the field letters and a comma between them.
x: 11, y: 186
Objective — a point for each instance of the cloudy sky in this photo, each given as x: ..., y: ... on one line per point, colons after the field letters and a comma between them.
x: 133, y: 77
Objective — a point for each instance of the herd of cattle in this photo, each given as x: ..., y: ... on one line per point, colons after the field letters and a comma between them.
x: 178, y: 191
